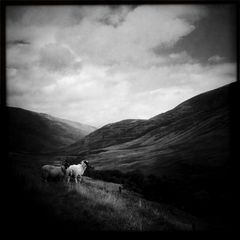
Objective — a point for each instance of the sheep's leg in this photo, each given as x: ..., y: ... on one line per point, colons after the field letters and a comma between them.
x: 68, y: 179
x: 44, y: 177
x: 76, y: 181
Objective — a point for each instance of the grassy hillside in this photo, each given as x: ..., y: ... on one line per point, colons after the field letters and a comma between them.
x: 188, y: 149
x: 37, y: 132
x: 181, y: 159
x: 196, y: 132
x: 93, y: 205
x: 111, y: 134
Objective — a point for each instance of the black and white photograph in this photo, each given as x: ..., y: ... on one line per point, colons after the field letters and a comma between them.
x: 120, y: 116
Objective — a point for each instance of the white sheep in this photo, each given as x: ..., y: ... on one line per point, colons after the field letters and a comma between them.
x: 76, y: 171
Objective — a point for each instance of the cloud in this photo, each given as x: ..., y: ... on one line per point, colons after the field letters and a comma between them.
x: 215, y: 59
x: 41, y: 15
x: 96, y: 97
x: 133, y: 40
x: 20, y: 55
x: 120, y: 34
x: 17, y: 42
x: 55, y: 57
x: 97, y: 64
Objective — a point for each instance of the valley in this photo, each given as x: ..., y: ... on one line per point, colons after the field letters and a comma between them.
x: 181, y: 159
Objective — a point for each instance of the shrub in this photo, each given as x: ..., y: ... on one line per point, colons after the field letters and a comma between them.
x: 194, y: 195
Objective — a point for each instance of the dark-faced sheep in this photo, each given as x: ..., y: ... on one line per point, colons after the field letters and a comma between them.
x: 54, y: 173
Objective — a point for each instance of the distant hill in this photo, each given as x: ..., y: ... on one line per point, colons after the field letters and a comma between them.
x: 183, y: 157
x: 187, y: 153
x: 196, y: 132
x: 34, y: 132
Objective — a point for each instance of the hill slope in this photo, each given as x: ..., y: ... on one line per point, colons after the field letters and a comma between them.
x: 188, y: 149
x: 38, y: 132
x: 92, y: 205
x: 196, y: 132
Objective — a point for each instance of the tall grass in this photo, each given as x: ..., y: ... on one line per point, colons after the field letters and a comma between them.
x: 94, y: 205
x: 200, y: 191
x: 125, y: 211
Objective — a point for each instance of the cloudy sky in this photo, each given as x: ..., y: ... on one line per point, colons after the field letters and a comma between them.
x: 102, y: 64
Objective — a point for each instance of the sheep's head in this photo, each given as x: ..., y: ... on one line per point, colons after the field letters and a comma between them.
x: 66, y: 164
x: 63, y: 169
x: 86, y: 162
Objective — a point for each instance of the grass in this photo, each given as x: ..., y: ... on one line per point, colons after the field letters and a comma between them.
x: 94, y: 205
x: 201, y: 191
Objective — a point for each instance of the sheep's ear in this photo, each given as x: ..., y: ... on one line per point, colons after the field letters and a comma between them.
x: 63, y: 168
x: 65, y: 164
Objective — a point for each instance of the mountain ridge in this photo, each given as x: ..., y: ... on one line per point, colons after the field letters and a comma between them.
x: 29, y: 131
x: 196, y: 133
x: 129, y: 130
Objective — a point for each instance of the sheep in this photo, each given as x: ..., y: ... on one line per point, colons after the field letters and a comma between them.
x: 76, y: 171
x: 50, y: 172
